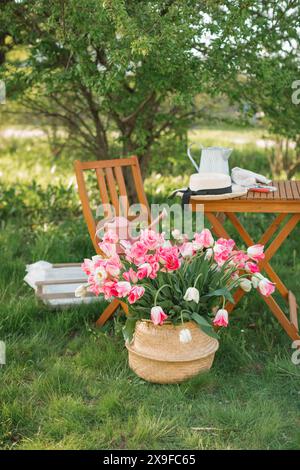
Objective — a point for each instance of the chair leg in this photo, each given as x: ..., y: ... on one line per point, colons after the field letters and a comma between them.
x: 110, y: 310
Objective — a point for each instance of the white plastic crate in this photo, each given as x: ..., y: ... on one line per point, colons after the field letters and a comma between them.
x: 55, y: 284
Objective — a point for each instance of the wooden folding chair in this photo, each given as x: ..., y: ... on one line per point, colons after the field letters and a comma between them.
x: 112, y: 189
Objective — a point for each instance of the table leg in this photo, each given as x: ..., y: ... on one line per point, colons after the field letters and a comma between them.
x: 287, y: 325
x: 290, y: 326
x: 220, y: 231
x: 263, y: 240
x: 216, y: 225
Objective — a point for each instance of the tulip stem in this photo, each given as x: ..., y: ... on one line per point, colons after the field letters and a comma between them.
x: 198, y: 277
x: 186, y: 264
x: 181, y: 312
x: 237, y: 281
x: 156, y: 295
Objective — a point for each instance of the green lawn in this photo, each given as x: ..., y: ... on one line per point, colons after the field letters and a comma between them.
x: 67, y: 385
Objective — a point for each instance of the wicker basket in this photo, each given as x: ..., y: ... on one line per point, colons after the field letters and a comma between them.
x: 157, y: 355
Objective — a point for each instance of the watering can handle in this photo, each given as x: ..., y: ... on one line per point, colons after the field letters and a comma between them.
x: 191, y: 158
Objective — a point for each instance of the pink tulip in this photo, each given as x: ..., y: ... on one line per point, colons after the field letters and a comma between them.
x: 187, y: 249
x: 126, y: 245
x: 144, y: 270
x: 228, y: 243
x: 256, y: 252
x: 150, y: 239
x: 157, y: 315
x: 87, y: 266
x: 155, y: 269
x: 221, y: 318
x: 113, y: 266
x: 93, y: 287
x: 122, y: 288
x: 222, y: 250
x: 168, y: 256
x: 137, y: 252
x: 251, y: 267
x: 266, y: 287
x: 153, y: 261
x: 239, y: 259
x: 110, y: 237
x: 117, y: 229
x: 108, y: 289
x: 109, y: 249
x: 204, y: 238
x: 135, y: 294
x: 172, y: 263
x: 131, y: 275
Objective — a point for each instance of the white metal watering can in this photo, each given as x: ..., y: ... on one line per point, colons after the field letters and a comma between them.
x: 213, y: 160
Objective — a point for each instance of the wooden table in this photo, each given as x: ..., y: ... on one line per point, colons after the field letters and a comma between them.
x: 285, y: 203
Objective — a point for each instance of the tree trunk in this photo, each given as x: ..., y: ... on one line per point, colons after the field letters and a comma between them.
x: 2, y: 48
x: 144, y: 161
x: 128, y: 150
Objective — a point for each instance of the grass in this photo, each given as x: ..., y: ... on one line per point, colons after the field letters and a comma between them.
x: 67, y: 385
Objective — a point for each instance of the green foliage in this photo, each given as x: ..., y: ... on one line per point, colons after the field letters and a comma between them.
x: 38, y: 205
x: 113, y: 64
x: 136, y: 67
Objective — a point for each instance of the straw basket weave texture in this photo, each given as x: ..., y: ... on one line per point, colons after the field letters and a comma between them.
x: 157, y: 355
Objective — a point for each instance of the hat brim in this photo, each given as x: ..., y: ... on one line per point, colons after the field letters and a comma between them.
x: 237, y: 191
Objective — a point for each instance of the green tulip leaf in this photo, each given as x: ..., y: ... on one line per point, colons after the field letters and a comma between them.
x: 128, y: 329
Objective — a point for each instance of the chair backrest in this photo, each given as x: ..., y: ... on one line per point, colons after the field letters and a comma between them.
x: 112, y: 188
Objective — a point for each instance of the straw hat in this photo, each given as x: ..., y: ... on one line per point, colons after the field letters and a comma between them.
x: 210, y: 186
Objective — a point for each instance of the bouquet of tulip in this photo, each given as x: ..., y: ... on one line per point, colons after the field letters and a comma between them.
x: 179, y: 281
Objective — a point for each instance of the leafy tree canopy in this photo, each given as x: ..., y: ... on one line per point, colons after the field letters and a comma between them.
x: 134, y: 66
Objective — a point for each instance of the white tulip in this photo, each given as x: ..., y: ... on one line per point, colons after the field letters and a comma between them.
x: 176, y: 234
x: 255, y: 279
x: 187, y: 249
x: 96, y: 258
x: 81, y: 291
x: 197, y: 246
x: 185, y: 336
x: 192, y: 294
x: 246, y: 285
x: 208, y: 254
x: 100, y: 275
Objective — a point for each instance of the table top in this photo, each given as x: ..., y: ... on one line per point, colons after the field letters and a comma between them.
x: 286, y: 191
x: 285, y: 199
